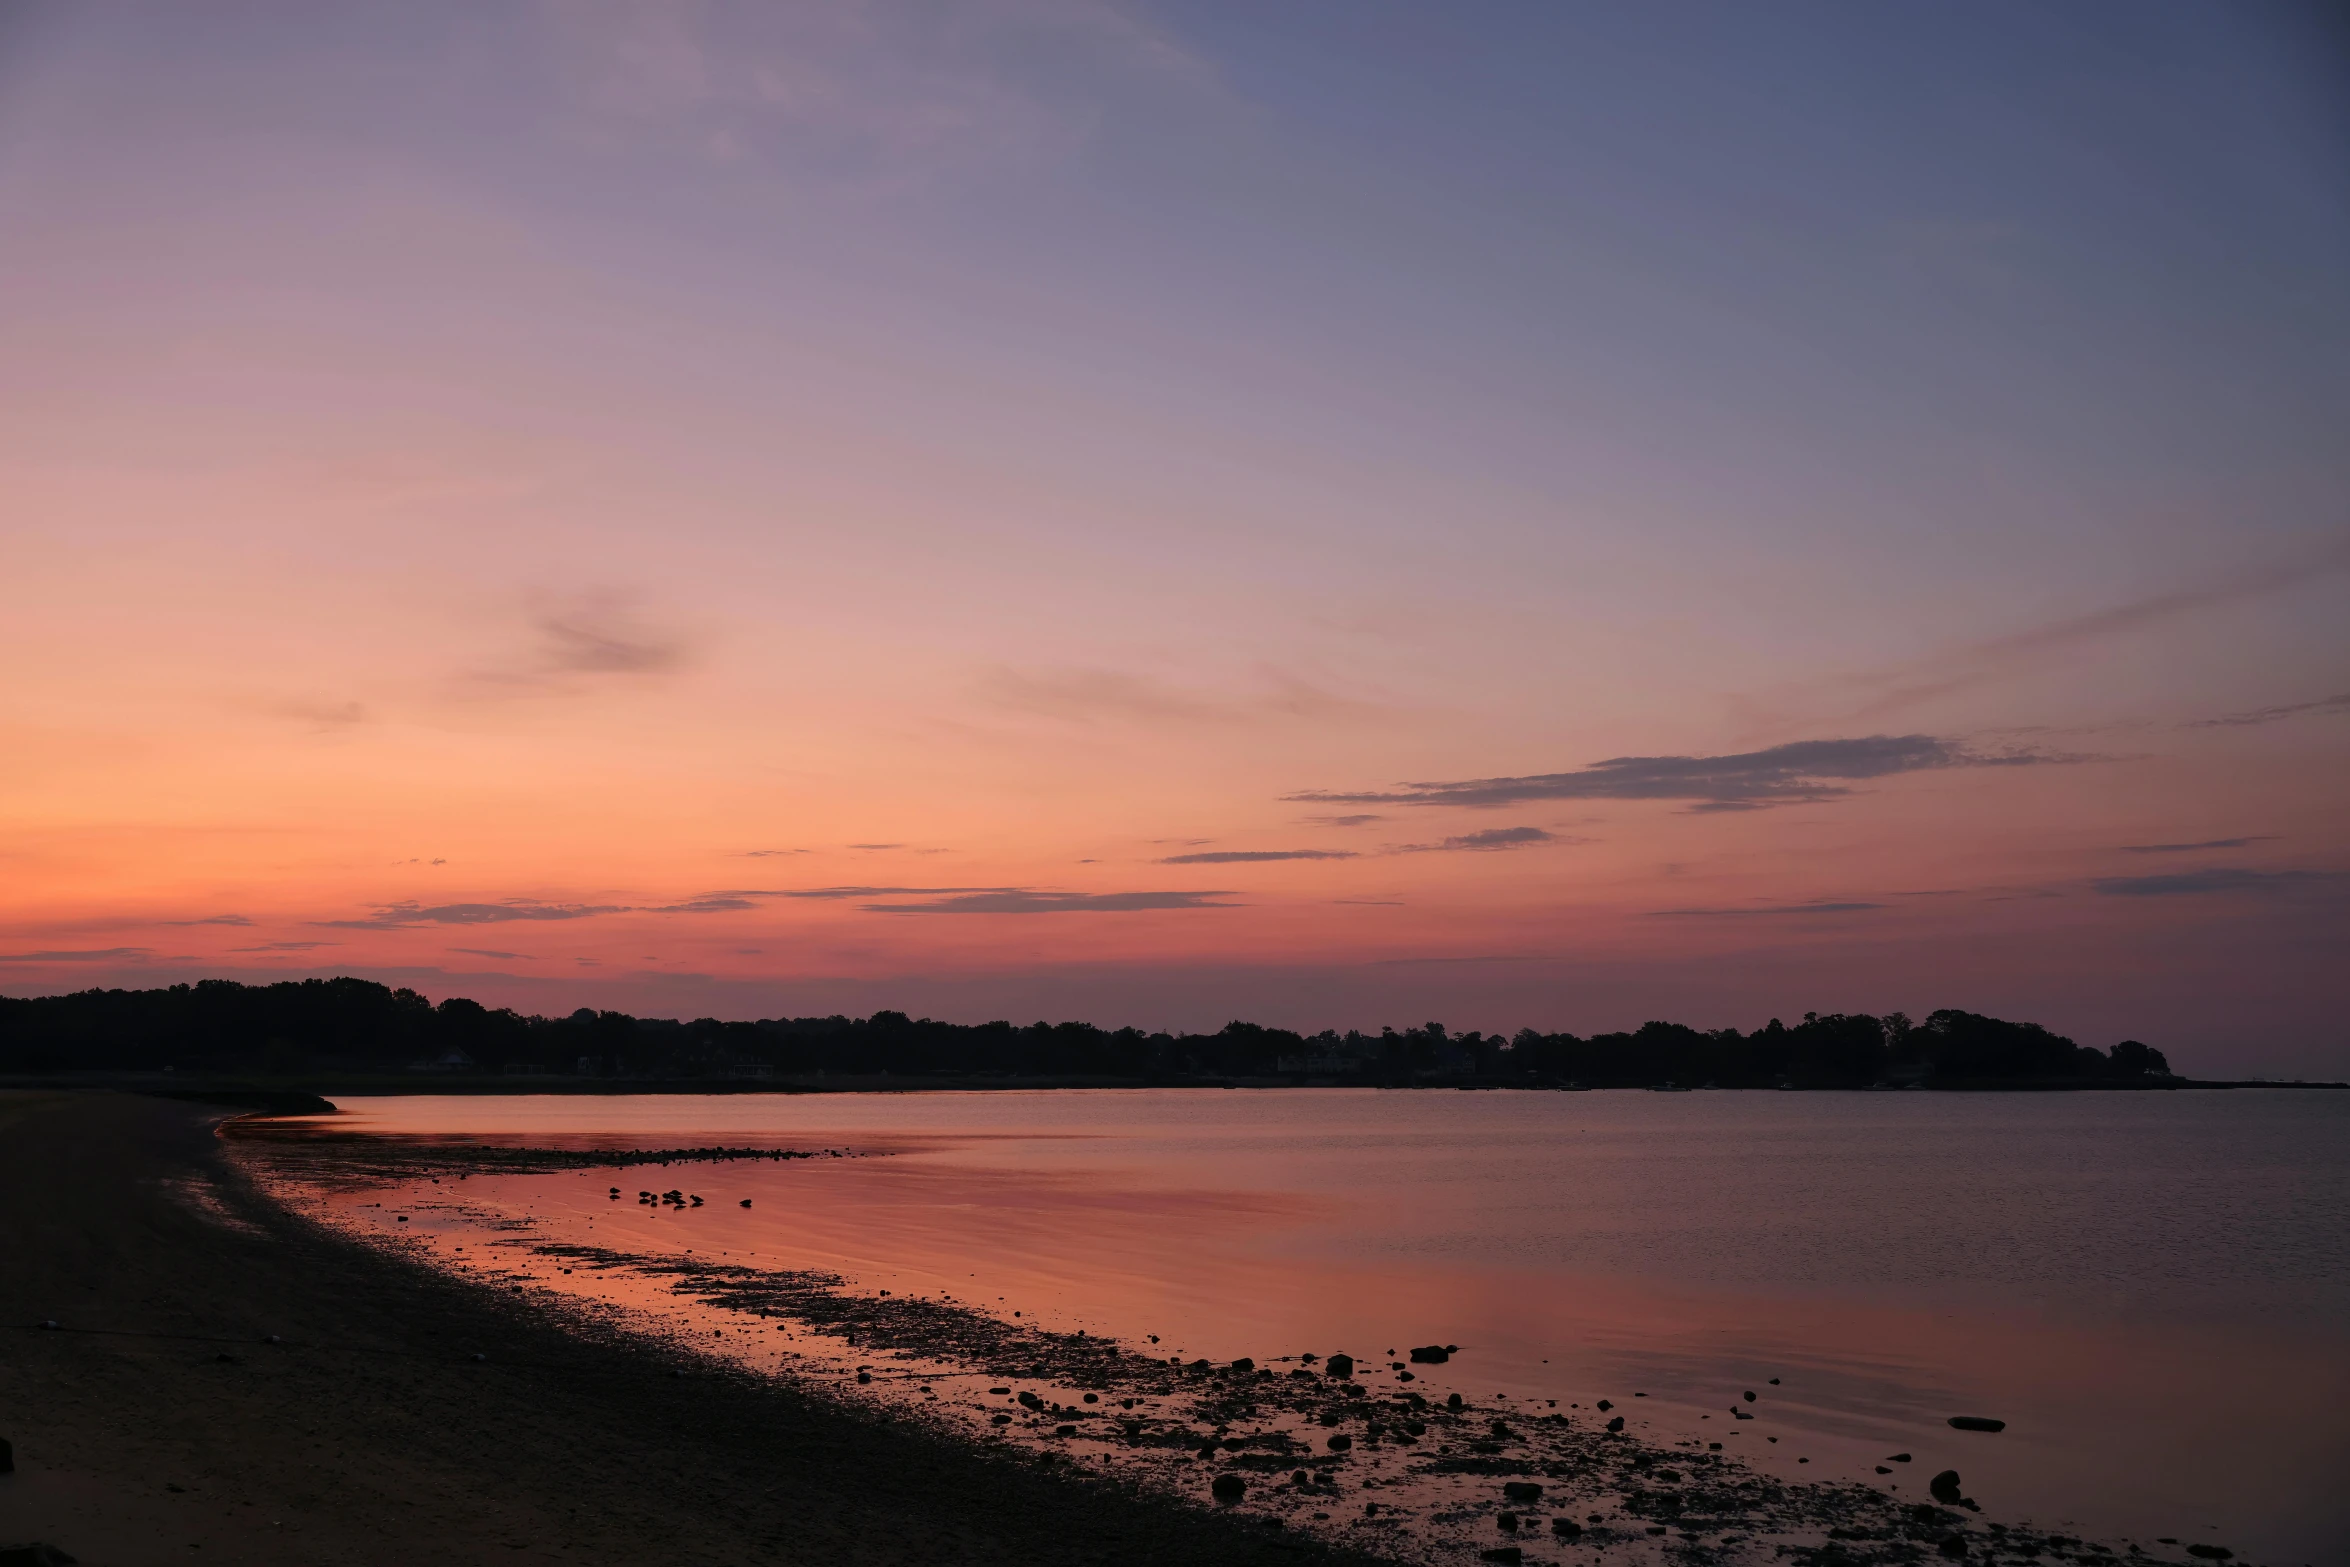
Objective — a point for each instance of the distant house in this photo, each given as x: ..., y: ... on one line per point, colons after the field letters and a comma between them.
x: 449, y: 1060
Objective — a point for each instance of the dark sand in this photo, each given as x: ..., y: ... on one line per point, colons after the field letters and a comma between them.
x: 158, y: 1424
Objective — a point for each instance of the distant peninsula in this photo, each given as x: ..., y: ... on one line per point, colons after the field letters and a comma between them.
x: 357, y: 1033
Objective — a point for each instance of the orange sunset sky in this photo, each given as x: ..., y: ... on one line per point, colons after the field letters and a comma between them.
x: 1335, y: 515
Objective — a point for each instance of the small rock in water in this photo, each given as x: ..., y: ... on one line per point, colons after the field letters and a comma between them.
x: 1944, y: 1487
x: 746, y: 1202
x: 1341, y: 1367
x: 1617, y: 1424
x: 1508, y: 1555
x: 1881, y: 1469
x: 1453, y: 1402
x: 1244, y: 1365
x: 1228, y: 1488
x: 1898, y: 1458
x: 1522, y: 1491
x: 1341, y: 1442
x: 1604, y: 1406
x: 2212, y: 1553
x: 1976, y: 1423
x: 1566, y: 1528
x: 1508, y: 1523
x: 1748, y: 1395
x: 1954, y: 1545
x: 1431, y: 1355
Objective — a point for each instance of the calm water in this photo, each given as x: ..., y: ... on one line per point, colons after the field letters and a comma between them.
x: 2153, y: 1290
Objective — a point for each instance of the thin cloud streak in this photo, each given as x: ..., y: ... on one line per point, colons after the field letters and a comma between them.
x: 2190, y: 848
x: 1489, y: 841
x: 403, y: 916
x: 1803, y: 772
x: 828, y: 893
x: 1026, y: 902
x: 84, y: 955
x: 1923, y: 680
x: 1767, y: 911
x: 1257, y: 856
x: 2270, y: 715
x: 2218, y: 879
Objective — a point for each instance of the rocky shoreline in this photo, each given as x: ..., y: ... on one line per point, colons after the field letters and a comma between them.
x: 1300, y: 1444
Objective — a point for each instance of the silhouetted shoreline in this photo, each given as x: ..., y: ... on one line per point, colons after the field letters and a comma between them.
x: 313, y: 1093
x: 357, y: 1036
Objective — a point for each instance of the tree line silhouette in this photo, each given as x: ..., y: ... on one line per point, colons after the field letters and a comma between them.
x: 349, y: 1025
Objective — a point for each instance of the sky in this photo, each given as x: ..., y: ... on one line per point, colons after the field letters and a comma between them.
x: 1332, y: 514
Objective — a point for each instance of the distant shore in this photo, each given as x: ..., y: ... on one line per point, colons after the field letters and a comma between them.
x: 283, y: 1094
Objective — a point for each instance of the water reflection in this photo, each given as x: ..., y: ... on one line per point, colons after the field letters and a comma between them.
x: 2136, y: 1283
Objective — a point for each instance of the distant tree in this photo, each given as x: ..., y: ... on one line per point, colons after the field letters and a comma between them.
x: 2132, y: 1059
x: 1963, y: 1045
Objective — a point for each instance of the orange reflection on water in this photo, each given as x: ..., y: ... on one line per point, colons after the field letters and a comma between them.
x: 1863, y: 1250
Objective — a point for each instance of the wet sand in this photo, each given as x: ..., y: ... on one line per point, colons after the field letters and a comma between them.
x: 403, y: 1415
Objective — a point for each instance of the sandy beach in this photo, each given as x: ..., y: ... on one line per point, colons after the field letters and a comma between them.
x: 228, y: 1383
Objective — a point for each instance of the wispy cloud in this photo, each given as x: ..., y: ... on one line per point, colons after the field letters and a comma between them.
x: 213, y: 919
x: 492, y: 952
x: 852, y: 892
x: 2190, y: 848
x: 1492, y: 838
x: 322, y: 713
x: 719, y: 903
x: 80, y: 955
x: 2187, y: 884
x: 1766, y: 911
x: 601, y: 638
x: 1022, y: 901
x: 1356, y: 819
x: 287, y: 946
x: 770, y: 854
x: 874, y: 93
x: 2270, y: 715
x: 875, y: 846
x: 401, y: 916
x: 1803, y: 772
x: 1256, y: 856
x: 579, y: 640
x: 1907, y: 684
